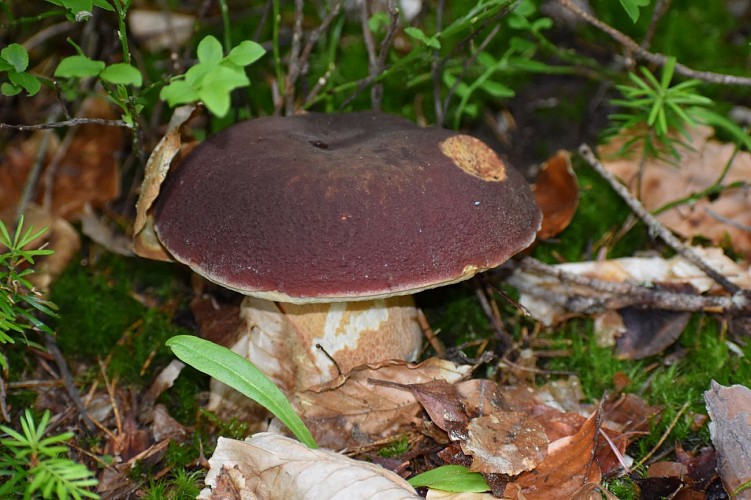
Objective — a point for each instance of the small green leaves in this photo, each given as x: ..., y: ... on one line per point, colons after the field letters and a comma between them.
x: 454, y: 478
x: 240, y: 374
x: 662, y: 107
x: 31, y: 463
x: 78, y: 67
x: 214, y: 77
x: 247, y: 52
x: 632, y: 8
x: 83, y: 67
x: 16, y: 56
x: 417, y: 34
x: 15, y: 60
x: 122, y: 74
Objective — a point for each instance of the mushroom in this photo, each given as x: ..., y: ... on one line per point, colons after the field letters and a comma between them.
x: 329, y: 222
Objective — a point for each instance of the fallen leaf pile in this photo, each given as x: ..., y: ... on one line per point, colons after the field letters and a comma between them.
x: 722, y: 219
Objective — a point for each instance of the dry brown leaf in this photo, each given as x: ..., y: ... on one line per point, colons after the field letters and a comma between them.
x: 366, y: 405
x: 269, y: 466
x: 647, y: 332
x: 730, y: 430
x: 87, y: 170
x: 570, y: 464
x: 443, y: 405
x: 145, y: 241
x: 557, y: 194
x: 701, y: 164
x: 505, y: 443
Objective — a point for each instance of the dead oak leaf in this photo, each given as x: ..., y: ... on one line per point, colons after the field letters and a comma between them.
x: 505, y: 443
x: 272, y: 466
x: 702, y: 162
x: 730, y: 430
x: 570, y: 464
x: 371, y: 402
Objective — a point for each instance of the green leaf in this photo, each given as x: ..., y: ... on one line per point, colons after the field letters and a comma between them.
x: 29, y: 83
x: 226, y: 78
x: 216, y: 99
x: 240, y: 374
x: 104, y: 4
x: 178, y: 92
x: 8, y: 89
x: 15, y: 54
x: 78, y: 67
x: 209, y: 50
x: 497, y: 89
x: 454, y: 478
x: 419, y: 35
x: 122, y: 74
x: 632, y: 8
x: 246, y: 53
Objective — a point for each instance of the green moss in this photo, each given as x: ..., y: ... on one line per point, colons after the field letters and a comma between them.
x: 395, y: 448
x: 99, y: 316
x: 705, y: 357
x: 455, y: 313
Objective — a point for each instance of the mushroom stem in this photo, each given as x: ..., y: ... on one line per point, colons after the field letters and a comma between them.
x: 282, y: 340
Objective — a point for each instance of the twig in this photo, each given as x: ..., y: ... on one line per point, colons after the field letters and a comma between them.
x: 725, y: 220
x: 51, y: 345
x: 664, y: 435
x: 293, y: 68
x: 614, y: 295
x: 435, y: 67
x: 655, y: 227
x: 33, y: 177
x: 506, y: 341
x: 3, y: 403
x: 661, y: 8
x: 433, y: 339
x: 67, y: 123
x: 654, y: 58
x: 376, y: 92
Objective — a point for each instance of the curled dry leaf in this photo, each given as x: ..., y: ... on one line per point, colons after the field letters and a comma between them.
x: 570, y: 464
x: 370, y: 403
x: 145, y: 241
x: 557, y: 194
x: 269, y: 466
x: 730, y: 430
x: 702, y: 162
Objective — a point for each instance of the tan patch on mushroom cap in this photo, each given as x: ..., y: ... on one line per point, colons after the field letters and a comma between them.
x: 474, y: 157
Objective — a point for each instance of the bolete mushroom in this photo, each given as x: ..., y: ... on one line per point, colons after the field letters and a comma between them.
x: 329, y: 222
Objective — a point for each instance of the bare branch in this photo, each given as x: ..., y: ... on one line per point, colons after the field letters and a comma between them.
x: 654, y: 58
x: 74, y: 122
x: 654, y: 225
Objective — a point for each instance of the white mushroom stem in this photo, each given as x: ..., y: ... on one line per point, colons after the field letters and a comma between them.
x: 283, y: 340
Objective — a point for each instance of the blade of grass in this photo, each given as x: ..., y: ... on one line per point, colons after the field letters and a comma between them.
x: 243, y: 376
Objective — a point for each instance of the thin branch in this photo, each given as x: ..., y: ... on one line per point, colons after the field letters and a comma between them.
x: 293, y: 68
x: 655, y: 227
x: 66, y: 123
x: 661, y: 8
x: 654, y: 58
x: 67, y: 378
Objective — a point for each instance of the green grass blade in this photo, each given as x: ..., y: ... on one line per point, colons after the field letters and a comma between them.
x: 454, y: 478
x: 240, y: 374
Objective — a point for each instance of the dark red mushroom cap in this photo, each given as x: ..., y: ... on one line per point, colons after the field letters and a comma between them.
x: 352, y: 206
